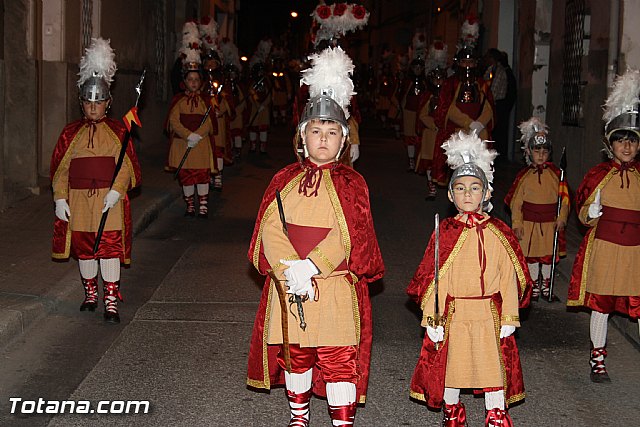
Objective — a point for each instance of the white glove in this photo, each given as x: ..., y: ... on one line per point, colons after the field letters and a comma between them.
x: 595, y: 208
x: 110, y: 200
x: 299, y: 276
x: 193, y: 139
x: 435, y: 334
x: 507, y: 331
x: 477, y: 126
x: 354, y: 153
x: 62, y: 210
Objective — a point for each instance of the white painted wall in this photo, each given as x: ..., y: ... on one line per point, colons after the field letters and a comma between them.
x: 630, y: 40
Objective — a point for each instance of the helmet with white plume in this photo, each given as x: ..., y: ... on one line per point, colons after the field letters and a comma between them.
x: 331, y: 22
x: 97, y: 68
x: 469, y: 34
x: 468, y: 155
x: 621, y: 107
x: 535, y: 134
x: 189, y: 52
x: 208, y: 30
x: 330, y: 88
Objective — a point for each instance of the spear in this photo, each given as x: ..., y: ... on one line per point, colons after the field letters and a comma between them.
x: 435, y: 320
x: 123, y: 150
x: 186, y: 153
x: 561, y: 191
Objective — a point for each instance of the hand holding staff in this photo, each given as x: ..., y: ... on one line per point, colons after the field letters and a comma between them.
x: 186, y: 153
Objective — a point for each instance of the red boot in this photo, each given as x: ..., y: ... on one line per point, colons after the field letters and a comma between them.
x: 498, y: 418
x: 90, y: 294
x: 454, y: 415
x: 191, y: 208
x: 345, y: 413
x: 111, y: 297
x: 598, y: 371
x: 299, y: 404
x: 203, y: 206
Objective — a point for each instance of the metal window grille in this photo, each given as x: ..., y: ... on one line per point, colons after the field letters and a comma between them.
x: 572, y: 86
x: 87, y: 24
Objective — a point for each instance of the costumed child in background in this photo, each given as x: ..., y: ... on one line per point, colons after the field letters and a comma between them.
x: 318, y: 244
x: 190, y: 125
x: 533, y: 200
x: 482, y: 281
x: 82, y: 168
x: 606, y: 268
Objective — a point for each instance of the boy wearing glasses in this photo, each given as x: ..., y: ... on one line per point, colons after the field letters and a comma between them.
x: 533, y: 199
x: 481, y: 282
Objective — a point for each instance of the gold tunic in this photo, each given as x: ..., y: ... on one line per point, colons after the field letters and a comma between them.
x: 614, y: 269
x: 537, y: 240
x: 428, y: 133
x: 86, y: 204
x: 330, y: 319
x: 473, y: 359
x: 200, y: 156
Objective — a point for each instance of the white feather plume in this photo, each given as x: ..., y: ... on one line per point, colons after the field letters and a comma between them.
x: 437, y: 57
x: 98, y: 61
x: 353, y: 17
x: 530, y: 128
x: 463, y: 148
x: 623, y: 96
x: 470, y: 31
x: 190, y: 47
x: 208, y: 30
x: 262, y: 52
x: 329, y: 74
x: 230, y: 53
x: 418, y: 46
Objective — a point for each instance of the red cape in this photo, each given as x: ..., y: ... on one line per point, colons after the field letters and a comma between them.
x: 363, y: 258
x: 61, y: 233
x: 427, y: 382
x: 446, y: 128
x: 595, y: 179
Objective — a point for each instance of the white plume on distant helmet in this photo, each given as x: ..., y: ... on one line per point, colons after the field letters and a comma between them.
x: 533, y: 133
x: 230, y: 55
x: 335, y: 20
x: 98, y: 61
x: 190, y: 48
x: 623, y: 97
x: 329, y: 74
x: 437, y: 56
x: 418, y: 46
x: 470, y: 31
x: 262, y: 52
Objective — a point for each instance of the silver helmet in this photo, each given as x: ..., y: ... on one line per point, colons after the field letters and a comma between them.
x: 323, y: 107
x: 94, y: 89
x: 626, y: 121
x: 539, y: 140
x: 470, y: 169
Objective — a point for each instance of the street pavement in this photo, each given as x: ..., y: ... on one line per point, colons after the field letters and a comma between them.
x: 191, y: 296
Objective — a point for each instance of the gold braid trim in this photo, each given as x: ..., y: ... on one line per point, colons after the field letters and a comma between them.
x: 600, y: 186
x: 363, y: 399
x: 66, y: 159
x: 257, y: 384
x: 443, y: 271
x: 355, y: 309
x: 417, y: 396
x: 265, y: 337
x: 512, y: 254
x: 510, y: 318
x: 585, y: 270
x: 337, y: 208
x: 267, y: 213
x: 515, y: 398
x: 324, y: 259
x: 288, y: 258
x: 496, y: 330
x: 126, y: 160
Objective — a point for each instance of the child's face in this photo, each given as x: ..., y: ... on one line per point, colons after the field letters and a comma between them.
x: 624, y: 150
x: 467, y: 193
x: 323, y: 140
x: 95, y: 110
x: 193, y: 81
x: 539, y: 156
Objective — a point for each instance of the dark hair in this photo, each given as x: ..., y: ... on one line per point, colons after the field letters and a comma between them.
x: 624, y: 134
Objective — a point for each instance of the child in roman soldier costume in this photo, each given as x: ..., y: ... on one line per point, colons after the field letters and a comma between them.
x: 426, y: 129
x: 82, y: 177
x: 533, y: 200
x: 190, y: 124
x: 466, y: 102
x: 606, y: 268
x: 481, y: 281
x: 260, y: 97
x: 235, y: 93
x: 314, y: 240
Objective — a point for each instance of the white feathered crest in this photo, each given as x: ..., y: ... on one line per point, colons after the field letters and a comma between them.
x: 337, y: 19
x: 262, y: 52
x: 470, y: 31
x: 437, y: 57
x: 230, y: 53
x: 418, y: 46
x: 463, y: 148
x: 98, y: 61
x: 623, y: 96
x: 530, y: 128
x: 191, y: 43
x: 329, y: 74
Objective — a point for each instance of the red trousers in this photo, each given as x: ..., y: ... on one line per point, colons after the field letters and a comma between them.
x: 337, y: 364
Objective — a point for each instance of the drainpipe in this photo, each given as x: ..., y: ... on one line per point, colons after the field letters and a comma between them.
x: 614, y: 29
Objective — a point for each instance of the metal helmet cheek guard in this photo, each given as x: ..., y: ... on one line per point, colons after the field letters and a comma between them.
x: 94, y: 89
x: 323, y: 107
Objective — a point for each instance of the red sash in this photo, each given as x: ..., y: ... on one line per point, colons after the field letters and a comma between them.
x: 619, y: 226
x: 471, y: 109
x: 538, y: 212
x: 91, y: 172
x: 304, y: 239
x: 192, y: 121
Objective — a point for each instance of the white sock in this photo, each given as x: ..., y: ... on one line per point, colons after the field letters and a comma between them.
x: 451, y: 395
x: 253, y: 136
x: 203, y: 189
x: 263, y: 136
x: 237, y: 141
x: 110, y: 269
x: 534, y: 269
x: 546, y: 271
x: 298, y: 383
x: 494, y: 399
x: 220, y: 163
x: 188, y: 190
x: 429, y: 174
x: 341, y: 394
x: 88, y: 268
x: 411, y: 151
x: 598, y: 329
